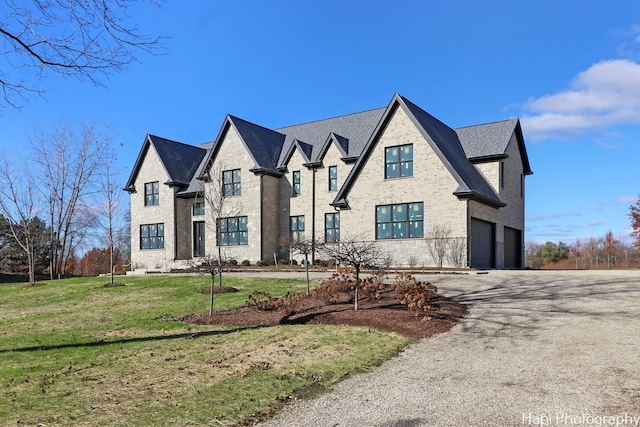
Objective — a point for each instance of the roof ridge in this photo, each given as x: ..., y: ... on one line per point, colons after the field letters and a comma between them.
x: 177, y: 142
x: 330, y: 118
x: 489, y: 123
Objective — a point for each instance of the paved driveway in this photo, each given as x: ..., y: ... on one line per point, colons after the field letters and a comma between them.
x: 538, y: 348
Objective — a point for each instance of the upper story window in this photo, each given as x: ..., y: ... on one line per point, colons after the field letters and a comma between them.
x: 333, y: 178
x: 231, y: 182
x: 400, y: 221
x: 398, y: 161
x: 152, y: 236
x: 198, y: 208
x: 296, y: 182
x: 151, y: 193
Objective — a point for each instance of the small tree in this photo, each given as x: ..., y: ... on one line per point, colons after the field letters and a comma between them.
x: 304, y: 246
x: 220, y: 205
x: 354, y: 252
x: 634, y: 214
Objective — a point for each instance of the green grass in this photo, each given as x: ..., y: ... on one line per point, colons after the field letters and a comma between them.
x: 72, y: 353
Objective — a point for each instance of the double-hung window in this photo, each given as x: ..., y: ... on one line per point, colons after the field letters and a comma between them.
x: 231, y: 182
x: 151, y: 193
x: 400, y: 221
x: 233, y: 231
x: 296, y: 227
x: 296, y: 182
x: 332, y: 227
x: 398, y: 161
x: 152, y: 236
x: 333, y: 178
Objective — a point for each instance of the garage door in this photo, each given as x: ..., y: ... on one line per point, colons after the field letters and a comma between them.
x: 512, y: 248
x: 483, y: 237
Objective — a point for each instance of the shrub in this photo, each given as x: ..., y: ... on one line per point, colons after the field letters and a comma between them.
x: 264, y: 301
x: 246, y: 263
x: 283, y: 261
x: 262, y: 263
x: 232, y: 262
x: 415, y: 295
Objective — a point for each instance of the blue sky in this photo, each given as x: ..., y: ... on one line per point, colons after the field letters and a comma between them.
x: 570, y: 70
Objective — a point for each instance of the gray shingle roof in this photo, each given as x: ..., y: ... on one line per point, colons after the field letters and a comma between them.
x: 488, y: 139
x: 353, y: 130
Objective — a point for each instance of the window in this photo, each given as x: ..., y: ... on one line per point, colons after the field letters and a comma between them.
x: 231, y: 184
x: 332, y: 227
x: 296, y: 183
x: 233, y: 231
x: 152, y: 236
x: 398, y: 161
x: 333, y: 178
x: 151, y: 193
x: 400, y: 221
x: 198, y: 208
x: 296, y: 227
x: 501, y: 174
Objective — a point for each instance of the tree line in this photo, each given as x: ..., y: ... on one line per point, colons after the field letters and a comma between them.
x: 64, y: 194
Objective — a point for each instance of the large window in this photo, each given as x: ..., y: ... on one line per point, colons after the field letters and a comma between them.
x: 333, y: 178
x: 151, y: 193
x: 231, y: 183
x: 296, y: 182
x: 152, y: 236
x: 198, y: 208
x: 400, y: 221
x: 233, y: 231
x: 398, y: 161
x: 332, y: 227
x: 296, y: 227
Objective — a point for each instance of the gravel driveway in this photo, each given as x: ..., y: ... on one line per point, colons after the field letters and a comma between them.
x: 538, y: 348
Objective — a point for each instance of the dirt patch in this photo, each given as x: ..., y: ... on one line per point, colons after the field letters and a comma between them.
x: 220, y: 290
x: 33, y: 285
x: 384, y: 312
x: 110, y: 285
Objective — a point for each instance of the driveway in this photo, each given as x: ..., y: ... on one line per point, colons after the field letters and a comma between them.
x: 538, y: 348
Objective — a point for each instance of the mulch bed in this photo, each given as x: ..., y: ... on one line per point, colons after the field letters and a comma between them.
x: 385, y: 313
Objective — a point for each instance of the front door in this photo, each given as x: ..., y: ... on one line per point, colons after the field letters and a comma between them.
x: 198, y: 239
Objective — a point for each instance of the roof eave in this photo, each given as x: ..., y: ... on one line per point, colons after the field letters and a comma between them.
x: 472, y: 195
x: 488, y: 159
x: 266, y: 171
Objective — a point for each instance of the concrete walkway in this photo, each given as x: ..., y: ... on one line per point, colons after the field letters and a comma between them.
x: 538, y: 348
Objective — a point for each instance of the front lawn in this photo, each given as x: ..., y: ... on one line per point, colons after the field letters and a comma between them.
x: 75, y: 353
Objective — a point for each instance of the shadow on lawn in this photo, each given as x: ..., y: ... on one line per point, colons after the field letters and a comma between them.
x: 188, y: 335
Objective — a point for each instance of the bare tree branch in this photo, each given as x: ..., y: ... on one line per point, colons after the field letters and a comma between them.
x: 86, y: 39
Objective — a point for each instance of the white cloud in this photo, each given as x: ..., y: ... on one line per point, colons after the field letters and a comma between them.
x: 626, y: 200
x: 606, y: 94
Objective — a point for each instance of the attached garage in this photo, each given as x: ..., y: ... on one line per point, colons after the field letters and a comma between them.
x: 482, y: 246
x: 512, y: 248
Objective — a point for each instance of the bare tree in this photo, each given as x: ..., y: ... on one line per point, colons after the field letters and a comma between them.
x: 18, y: 204
x: 304, y: 246
x: 67, y: 165
x: 355, y: 252
x: 108, y: 209
x: 220, y: 207
x: 86, y: 39
x: 438, y: 236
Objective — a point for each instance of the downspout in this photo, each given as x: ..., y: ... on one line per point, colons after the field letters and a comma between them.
x: 175, y: 225
x: 313, y: 217
x: 468, y: 236
x: 261, y: 215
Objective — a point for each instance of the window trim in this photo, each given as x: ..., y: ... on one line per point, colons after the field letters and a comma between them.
x: 297, y: 234
x: 148, y: 237
x: 333, y: 180
x: 400, y: 164
x: 241, y: 228
x: 394, y: 224
x: 335, y: 229
x: 296, y: 179
x: 195, y: 206
x: 152, y: 193
x: 234, y: 186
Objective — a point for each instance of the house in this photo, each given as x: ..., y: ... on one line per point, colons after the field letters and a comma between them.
x: 427, y: 194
